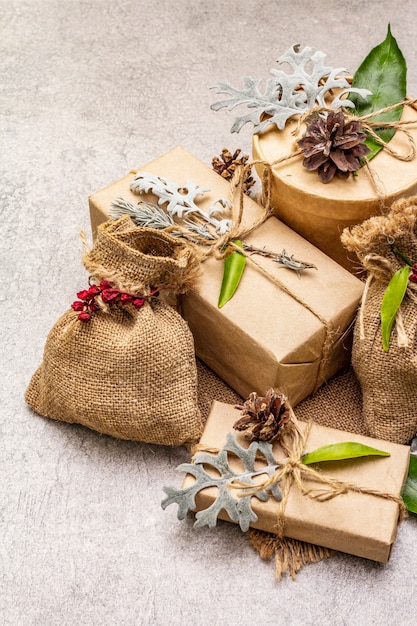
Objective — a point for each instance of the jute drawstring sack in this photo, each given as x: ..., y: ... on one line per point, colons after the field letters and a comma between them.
x: 121, y: 361
x: 388, y: 379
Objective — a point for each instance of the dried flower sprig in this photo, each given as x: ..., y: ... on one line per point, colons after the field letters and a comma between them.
x: 147, y: 214
x: 150, y: 215
x: 284, y: 259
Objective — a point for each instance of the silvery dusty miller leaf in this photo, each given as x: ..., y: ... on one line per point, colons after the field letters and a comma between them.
x: 286, y: 94
x: 181, y: 200
x: 239, y: 509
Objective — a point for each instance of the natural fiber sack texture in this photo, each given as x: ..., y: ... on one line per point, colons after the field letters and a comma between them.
x: 388, y: 379
x: 129, y: 373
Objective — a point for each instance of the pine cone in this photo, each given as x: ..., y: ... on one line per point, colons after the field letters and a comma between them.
x: 263, y: 418
x: 226, y: 165
x: 333, y: 146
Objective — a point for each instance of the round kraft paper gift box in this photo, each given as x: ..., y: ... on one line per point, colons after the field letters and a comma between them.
x: 320, y: 211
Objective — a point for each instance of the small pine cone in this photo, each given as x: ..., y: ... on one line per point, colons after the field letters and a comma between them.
x: 333, y: 146
x: 263, y: 418
x: 226, y: 165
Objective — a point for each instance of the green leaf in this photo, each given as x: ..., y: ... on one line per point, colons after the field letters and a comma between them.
x: 234, y: 264
x: 409, y: 492
x: 384, y: 72
x: 391, y: 302
x: 341, y: 451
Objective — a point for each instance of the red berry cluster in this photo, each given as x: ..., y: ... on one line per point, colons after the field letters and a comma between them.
x: 413, y: 276
x: 86, y: 304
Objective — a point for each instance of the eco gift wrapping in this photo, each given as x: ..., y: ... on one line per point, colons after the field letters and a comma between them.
x: 357, y: 523
x: 292, y: 338
x: 320, y: 212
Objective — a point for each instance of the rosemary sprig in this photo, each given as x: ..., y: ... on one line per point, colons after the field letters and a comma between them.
x: 143, y: 213
x: 151, y: 215
x: 284, y: 259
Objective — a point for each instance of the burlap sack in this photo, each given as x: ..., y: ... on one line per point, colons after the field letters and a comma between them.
x: 388, y: 379
x: 127, y: 372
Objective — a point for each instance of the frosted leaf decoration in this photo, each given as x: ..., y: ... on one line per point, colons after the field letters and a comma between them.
x: 197, y: 225
x: 181, y: 200
x: 178, y: 199
x: 238, y: 508
x: 287, y: 95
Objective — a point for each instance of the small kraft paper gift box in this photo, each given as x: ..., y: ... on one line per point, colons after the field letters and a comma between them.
x: 356, y: 522
x: 282, y: 328
x: 320, y: 212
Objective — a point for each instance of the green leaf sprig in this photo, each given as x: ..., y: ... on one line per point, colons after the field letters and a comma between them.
x: 384, y: 73
x: 391, y: 302
x: 233, y: 267
x: 340, y: 452
x: 409, y: 492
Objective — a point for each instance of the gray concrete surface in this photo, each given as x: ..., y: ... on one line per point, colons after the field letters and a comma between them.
x: 90, y: 89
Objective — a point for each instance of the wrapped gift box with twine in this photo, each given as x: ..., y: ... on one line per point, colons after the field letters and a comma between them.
x: 281, y: 329
x: 351, y: 505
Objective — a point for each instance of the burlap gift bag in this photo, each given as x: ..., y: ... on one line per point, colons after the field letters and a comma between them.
x: 121, y: 361
x: 388, y: 378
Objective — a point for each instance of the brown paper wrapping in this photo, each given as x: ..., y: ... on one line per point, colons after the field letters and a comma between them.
x: 262, y: 337
x: 359, y: 524
x: 319, y: 212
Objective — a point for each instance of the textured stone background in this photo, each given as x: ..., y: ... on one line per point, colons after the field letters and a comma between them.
x: 90, y: 89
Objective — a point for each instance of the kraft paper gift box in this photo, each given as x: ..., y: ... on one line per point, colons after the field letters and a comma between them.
x: 319, y: 212
x: 264, y: 336
x: 356, y: 523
